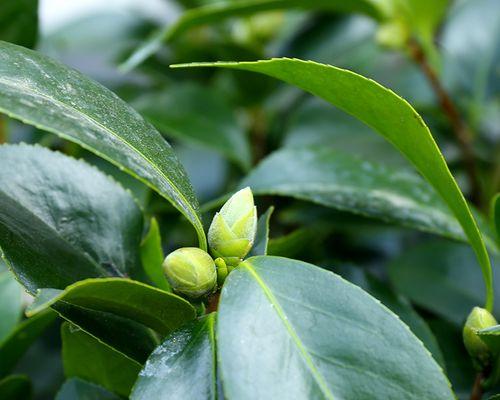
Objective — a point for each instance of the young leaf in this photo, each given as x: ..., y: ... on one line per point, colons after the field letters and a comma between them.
x: 259, y: 247
x: 154, y: 308
x: 152, y: 257
x: 15, y: 387
x: 19, y: 22
x: 11, y: 296
x: 13, y: 347
x: 196, y: 114
x: 212, y: 13
x: 62, y: 220
x: 392, y: 117
x: 495, y: 214
x: 335, y: 340
x: 44, y: 93
x: 89, y: 359
x: 77, y: 389
x: 183, y: 367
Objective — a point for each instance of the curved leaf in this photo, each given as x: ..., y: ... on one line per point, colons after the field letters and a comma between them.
x: 316, y: 336
x: 154, y: 308
x: 87, y: 358
x: 62, y: 221
x: 259, y: 248
x: 11, y: 305
x: 44, y: 93
x: 183, y: 367
x: 212, y: 13
x: 16, y: 387
x: 389, y: 115
x: 13, y: 347
x: 152, y: 257
x: 196, y: 114
x: 495, y: 214
x: 77, y: 389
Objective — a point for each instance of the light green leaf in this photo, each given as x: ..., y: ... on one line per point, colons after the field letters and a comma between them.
x: 91, y: 360
x: 199, y: 115
x: 62, y: 220
x: 77, y: 389
x: 44, y: 93
x: 20, y: 339
x: 262, y: 236
x: 152, y: 307
x: 11, y: 305
x: 16, y: 387
x: 152, y: 256
x: 19, y: 22
x: 392, y: 117
x: 437, y: 276
x: 213, y: 13
x: 183, y: 367
x: 316, y: 336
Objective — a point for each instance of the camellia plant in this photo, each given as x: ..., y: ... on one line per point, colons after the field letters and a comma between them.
x: 108, y: 252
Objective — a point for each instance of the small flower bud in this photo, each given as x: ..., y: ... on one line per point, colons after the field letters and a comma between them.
x: 222, y: 270
x: 480, y: 353
x: 190, y: 271
x: 232, y: 232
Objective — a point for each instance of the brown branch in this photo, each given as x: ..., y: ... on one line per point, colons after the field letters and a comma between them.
x: 477, y: 389
x: 460, y: 129
x: 213, y: 302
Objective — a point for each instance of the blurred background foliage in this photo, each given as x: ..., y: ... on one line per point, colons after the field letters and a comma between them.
x: 223, y: 124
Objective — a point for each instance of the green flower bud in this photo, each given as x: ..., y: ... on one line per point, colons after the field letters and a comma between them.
x: 232, y: 232
x: 190, y: 271
x: 480, y: 353
x: 222, y: 270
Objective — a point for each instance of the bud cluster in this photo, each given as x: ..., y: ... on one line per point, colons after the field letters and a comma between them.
x: 192, y: 272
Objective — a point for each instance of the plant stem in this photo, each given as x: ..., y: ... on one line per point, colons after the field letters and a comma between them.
x: 460, y: 129
x: 477, y: 389
x: 213, y: 302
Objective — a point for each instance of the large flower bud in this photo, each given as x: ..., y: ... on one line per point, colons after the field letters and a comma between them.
x: 190, y: 271
x: 479, y: 351
x: 232, y: 232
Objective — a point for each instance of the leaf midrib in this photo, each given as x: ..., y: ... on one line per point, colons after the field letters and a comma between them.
x: 28, y: 89
x: 320, y: 380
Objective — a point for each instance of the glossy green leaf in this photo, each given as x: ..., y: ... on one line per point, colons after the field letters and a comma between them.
x: 19, y: 22
x: 62, y: 221
x: 89, y: 359
x: 183, y: 367
x: 77, y: 389
x: 334, y: 179
x: 213, y: 13
x: 316, y: 335
x: 11, y: 305
x: 44, y: 93
x: 199, y: 115
x: 495, y: 214
x: 392, y: 117
x: 259, y: 247
x: 491, y: 336
x: 15, y: 387
x: 152, y: 257
x: 437, y: 276
x: 13, y: 347
x: 154, y: 308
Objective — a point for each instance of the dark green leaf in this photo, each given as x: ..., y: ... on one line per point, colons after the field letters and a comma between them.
x: 76, y: 389
x: 262, y: 236
x: 316, y: 336
x: 44, y: 93
x: 11, y: 305
x: 152, y: 257
x: 437, y: 276
x: 183, y: 367
x: 91, y: 360
x: 152, y: 307
x: 20, y: 339
x: 495, y: 214
x: 15, y: 387
x: 212, y: 13
x: 392, y: 117
x: 199, y: 115
x: 62, y: 221
x: 19, y: 22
